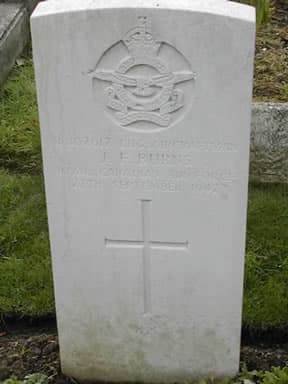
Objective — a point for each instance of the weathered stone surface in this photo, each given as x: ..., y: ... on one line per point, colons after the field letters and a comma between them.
x: 145, y: 124
x: 30, y: 5
x: 14, y: 32
x: 269, y: 143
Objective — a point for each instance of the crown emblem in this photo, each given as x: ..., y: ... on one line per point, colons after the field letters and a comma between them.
x: 140, y: 40
x: 142, y: 89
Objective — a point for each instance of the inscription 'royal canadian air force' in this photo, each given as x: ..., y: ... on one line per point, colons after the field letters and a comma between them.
x: 143, y: 88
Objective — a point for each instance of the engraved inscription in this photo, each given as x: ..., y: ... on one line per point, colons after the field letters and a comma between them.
x: 143, y: 87
x: 201, y: 182
x: 148, y: 143
x: 147, y: 245
x: 84, y: 141
x: 146, y: 163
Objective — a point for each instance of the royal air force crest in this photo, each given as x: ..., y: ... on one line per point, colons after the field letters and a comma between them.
x: 142, y: 87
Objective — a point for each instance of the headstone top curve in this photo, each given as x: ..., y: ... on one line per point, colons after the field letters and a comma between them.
x: 218, y: 7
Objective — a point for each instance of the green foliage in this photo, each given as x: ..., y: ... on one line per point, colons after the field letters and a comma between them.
x: 266, y: 275
x: 25, y: 271
x: 19, y: 129
x: 275, y: 376
x: 35, y: 378
x: 262, y: 10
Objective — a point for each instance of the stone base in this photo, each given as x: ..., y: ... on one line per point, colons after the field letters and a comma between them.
x: 269, y: 143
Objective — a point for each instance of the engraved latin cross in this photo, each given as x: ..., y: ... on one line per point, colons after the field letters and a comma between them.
x: 146, y: 245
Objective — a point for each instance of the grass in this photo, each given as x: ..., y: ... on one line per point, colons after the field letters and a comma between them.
x: 262, y: 10
x: 19, y: 129
x: 25, y: 268
x: 266, y: 277
x: 271, y: 69
x: 275, y: 376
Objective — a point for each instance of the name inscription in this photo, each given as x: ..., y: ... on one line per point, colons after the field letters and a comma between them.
x: 134, y: 164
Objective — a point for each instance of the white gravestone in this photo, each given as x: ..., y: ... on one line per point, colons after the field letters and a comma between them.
x: 145, y: 120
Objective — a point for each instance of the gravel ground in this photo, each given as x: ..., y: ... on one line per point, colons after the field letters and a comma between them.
x: 25, y: 354
x: 21, y: 355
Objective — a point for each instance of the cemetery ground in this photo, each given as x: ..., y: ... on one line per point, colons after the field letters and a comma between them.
x: 26, y: 291
x: 271, y: 70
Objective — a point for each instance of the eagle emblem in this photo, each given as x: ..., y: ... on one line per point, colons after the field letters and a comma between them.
x: 142, y: 88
